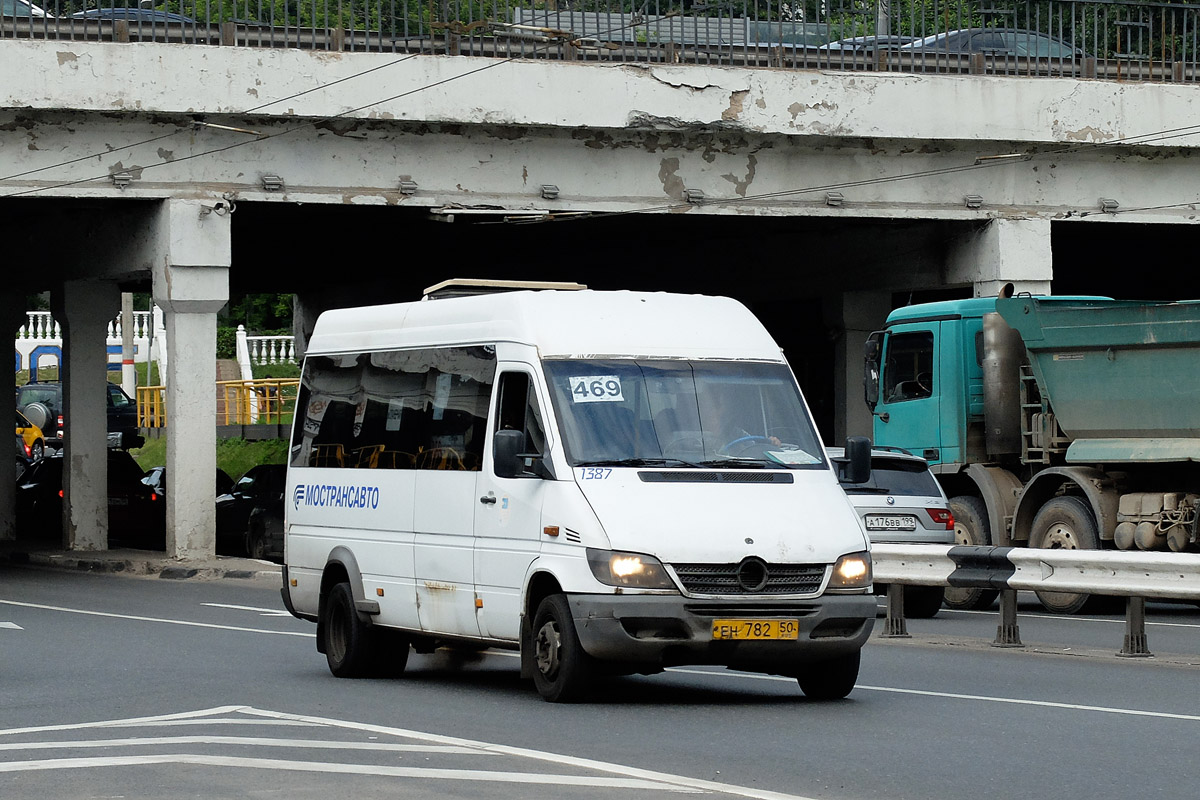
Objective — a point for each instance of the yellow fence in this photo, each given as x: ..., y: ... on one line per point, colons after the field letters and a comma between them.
x: 270, y: 401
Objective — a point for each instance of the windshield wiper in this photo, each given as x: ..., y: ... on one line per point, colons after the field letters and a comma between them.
x: 757, y: 463
x: 640, y: 462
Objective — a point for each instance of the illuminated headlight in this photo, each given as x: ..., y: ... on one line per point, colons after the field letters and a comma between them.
x: 635, y: 570
x: 852, y: 571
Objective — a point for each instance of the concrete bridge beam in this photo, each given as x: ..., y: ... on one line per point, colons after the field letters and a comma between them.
x: 191, y: 284
x: 1015, y: 251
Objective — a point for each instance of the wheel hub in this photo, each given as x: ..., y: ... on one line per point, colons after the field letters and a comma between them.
x: 546, y: 649
x: 1060, y: 537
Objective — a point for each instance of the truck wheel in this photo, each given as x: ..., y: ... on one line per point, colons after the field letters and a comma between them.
x: 562, y: 671
x: 1064, y: 523
x: 831, y: 679
x: 922, y: 602
x: 347, y: 638
x: 970, y: 527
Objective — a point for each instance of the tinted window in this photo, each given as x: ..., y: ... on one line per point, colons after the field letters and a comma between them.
x: 39, y: 394
x: 117, y: 398
x: 897, y: 476
x: 908, y: 373
x: 405, y: 409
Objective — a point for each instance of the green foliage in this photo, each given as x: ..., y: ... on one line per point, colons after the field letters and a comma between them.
x: 226, y: 342
x: 283, y: 370
x: 261, y: 313
x: 234, y: 456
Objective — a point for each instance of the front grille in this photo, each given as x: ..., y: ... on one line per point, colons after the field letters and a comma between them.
x: 733, y: 579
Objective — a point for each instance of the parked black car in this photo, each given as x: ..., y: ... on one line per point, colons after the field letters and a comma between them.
x: 156, y: 479
x: 22, y: 459
x: 42, y: 403
x: 136, y: 517
x: 251, y: 514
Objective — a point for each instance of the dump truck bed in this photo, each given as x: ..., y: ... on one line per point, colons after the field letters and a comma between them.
x: 1122, y: 377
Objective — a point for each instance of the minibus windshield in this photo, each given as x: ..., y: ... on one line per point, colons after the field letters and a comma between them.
x: 626, y: 412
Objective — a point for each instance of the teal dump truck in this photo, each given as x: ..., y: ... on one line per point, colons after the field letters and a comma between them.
x: 1056, y: 422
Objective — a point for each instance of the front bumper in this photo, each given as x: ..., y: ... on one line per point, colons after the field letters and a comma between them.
x: 661, y: 631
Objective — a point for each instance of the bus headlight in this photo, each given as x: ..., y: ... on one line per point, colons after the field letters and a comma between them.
x: 852, y: 571
x: 635, y: 570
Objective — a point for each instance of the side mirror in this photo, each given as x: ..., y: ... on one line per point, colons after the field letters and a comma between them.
x: 510, y: 462
x: 871, y: 351
x: 506, y: 454
x: 855, y: 465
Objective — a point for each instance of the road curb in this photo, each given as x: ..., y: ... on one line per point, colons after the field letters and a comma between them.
x: 118, y: 563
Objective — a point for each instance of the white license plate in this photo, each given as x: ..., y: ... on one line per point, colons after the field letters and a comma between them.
x: 891, y: 522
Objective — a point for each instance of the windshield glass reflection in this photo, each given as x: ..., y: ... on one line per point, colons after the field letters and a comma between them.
x: 681, y: 413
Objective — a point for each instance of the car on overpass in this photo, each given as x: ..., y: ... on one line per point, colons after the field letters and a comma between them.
x: 21, y: 8
x: 1010, y: 42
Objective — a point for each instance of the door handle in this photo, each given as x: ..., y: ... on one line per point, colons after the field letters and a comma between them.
x: 488, y: 499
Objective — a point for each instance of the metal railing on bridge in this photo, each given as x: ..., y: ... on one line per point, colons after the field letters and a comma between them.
x: 1074, y: 38
x: 267, y: 401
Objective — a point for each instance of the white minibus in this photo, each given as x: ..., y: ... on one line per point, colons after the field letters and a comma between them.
x: 607, y: 482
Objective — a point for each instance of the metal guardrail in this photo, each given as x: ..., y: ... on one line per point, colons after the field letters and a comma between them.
x: 1115, y: 39
x: 1136, y: 575
x: 266, y: 401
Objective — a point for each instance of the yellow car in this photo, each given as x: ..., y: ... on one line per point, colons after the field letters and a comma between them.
x: 31, y: 435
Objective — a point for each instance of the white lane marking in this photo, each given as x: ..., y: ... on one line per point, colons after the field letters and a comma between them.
x: 265, y: 612
x: 137, y: 618
x: 12, y: 626
x: 540, y: 755
x: 241, y: 741
x: 490, y: 776
x: 1133, y: 712
x: 1068, y: 618
x: 628, y: 777
x: 120, y: 723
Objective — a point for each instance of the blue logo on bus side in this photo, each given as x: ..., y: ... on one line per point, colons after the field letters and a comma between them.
x: 329, y: 496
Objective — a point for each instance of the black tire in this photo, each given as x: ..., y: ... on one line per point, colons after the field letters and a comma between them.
x: 922, y: 602
x: 562, y: 671
x: 831, y: 679
x: 256, y: 543
x: 347, y: 639
x: 971, y: 527
x: 1065, y: 523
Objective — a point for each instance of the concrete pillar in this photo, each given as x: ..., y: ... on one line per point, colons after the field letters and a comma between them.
x: 84, y: 308
x: 12, y: 316
x: 191, y: 284
x: 1015, y: 251
x: 855, y: 315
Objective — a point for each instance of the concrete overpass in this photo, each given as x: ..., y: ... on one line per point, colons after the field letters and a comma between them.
x: 820, y: 198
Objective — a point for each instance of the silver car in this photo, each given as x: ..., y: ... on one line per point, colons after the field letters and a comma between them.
x: 903, y: 503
